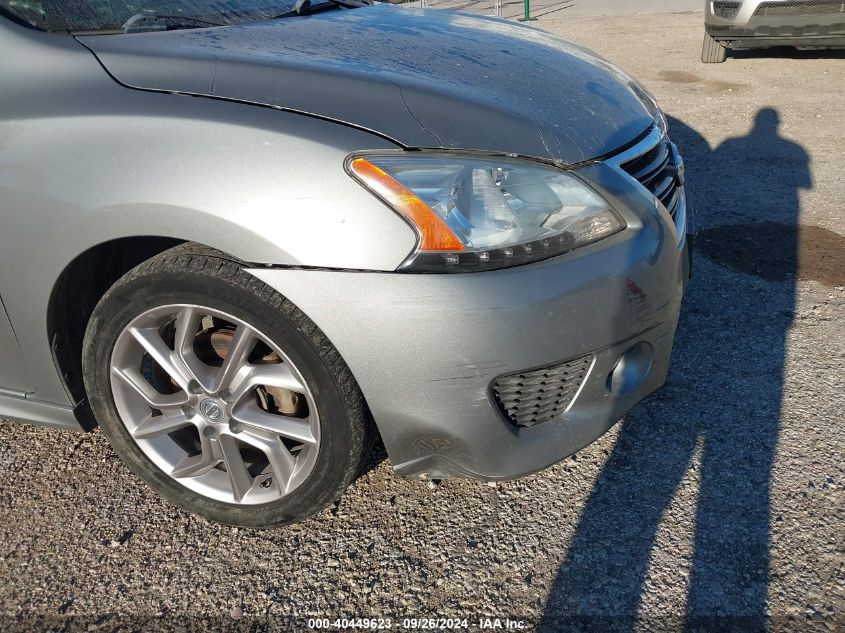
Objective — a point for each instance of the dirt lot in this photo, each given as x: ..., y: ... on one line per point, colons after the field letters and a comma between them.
x: 720, y: 496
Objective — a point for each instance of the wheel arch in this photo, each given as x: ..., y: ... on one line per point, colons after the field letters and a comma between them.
x: 77, y: 291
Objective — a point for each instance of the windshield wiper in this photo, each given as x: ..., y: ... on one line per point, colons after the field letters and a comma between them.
x: 149, y: 20
x: 306, y: 7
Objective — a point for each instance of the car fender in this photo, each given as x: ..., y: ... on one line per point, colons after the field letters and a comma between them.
x: 84, y: 161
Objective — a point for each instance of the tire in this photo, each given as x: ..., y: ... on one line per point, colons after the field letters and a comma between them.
x: 190, y: 275
x: 713, y: 51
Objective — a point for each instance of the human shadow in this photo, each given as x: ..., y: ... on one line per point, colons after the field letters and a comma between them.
x: 714, y: 425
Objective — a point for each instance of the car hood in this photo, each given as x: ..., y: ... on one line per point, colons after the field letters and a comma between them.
x: 423, y: 78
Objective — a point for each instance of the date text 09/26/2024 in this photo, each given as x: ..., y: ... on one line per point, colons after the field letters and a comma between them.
x: 484, y: 623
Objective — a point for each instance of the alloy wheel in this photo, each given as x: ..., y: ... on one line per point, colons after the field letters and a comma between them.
x: 215, y: 404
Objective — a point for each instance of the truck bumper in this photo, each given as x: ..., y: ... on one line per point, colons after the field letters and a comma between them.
x: 779, y: 23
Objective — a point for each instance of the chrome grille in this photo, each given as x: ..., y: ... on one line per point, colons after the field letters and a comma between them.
x: 726, y: 10
x: 813, y: 7
x: 533, y: 397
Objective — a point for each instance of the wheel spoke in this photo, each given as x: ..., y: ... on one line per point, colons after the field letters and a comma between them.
x: 187, y: 322
x: 153, y: 344
x: 136, y: 381
x: 158, y: 425
x: 252, y: 415
x: 239, y: 476
x: 278, y: 456
x: 242, y: 344
x: 278, y: 375
x: 196, y: 465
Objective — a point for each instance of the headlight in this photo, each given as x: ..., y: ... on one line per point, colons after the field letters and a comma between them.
x: 481, y: 213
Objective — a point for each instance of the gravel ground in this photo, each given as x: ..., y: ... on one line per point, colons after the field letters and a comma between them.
x: 719, y: 497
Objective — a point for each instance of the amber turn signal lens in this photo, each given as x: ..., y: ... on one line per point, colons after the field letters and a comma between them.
x: 434, y: 234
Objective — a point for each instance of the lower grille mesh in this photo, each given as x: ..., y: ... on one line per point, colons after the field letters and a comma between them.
x: 814, y: 7
x: 726, y: 10
x: 537, y: 396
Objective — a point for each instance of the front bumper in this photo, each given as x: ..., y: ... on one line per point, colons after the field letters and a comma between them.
x: 764, y: 23
x: 426, y: 348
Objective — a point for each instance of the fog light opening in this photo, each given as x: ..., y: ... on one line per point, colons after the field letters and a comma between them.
x: 631, y: 369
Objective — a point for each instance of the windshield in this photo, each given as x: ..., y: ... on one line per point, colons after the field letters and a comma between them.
x: 111, y: 15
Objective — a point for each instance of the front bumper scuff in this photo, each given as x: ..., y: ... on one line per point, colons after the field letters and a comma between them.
x: 426, y: 348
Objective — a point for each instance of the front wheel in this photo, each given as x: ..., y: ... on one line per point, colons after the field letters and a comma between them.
x: 222, y: 395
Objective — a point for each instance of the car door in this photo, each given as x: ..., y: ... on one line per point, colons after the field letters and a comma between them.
x: 14, y: 376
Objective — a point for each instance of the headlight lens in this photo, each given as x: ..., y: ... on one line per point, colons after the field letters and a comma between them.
x: 481, y: 213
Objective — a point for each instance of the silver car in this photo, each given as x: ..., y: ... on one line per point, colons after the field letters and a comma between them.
x: 766, y: 23
x: 245, y: 238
